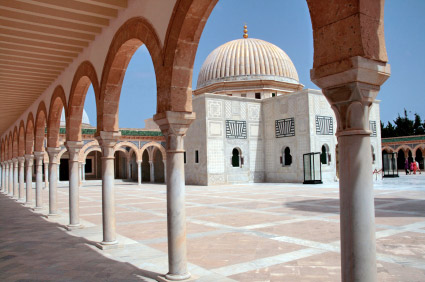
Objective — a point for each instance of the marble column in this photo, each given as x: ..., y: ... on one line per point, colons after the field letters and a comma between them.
x: 21, y: 162
x: 129, y: 169
x: 351, y: 93
x: 174, y: 126
x: 53, y: 179
x: 6, y: 177
x: 107, y: 141
x: 46, y: 174
x: 2, y: 176
x: 165, y: 171
x: 152, y: 171
x: 80, y: 174
x: 83, y: 171
x: 74, y: 148
x: 15, y: 178
x: 139, y: 172
x: 30, y: 162
x: 39, y: 156
x: 10, y: 184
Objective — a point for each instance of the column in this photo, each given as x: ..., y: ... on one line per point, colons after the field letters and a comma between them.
x: 139, y: 172
x: 174, y: 126
x: 80, y: 174
x: 107, y: 141
x: 152, y: 171
x: 53, y: 180
x: 74, y: 148
x: 2, y: 176
x: 6, y: 177
x: 39, y: 156
x: 10, y: 184
x: 351, y: 93
x: 165, y: 171
x: 129, y: 169
x: 83, y: 171
x: 46, y: 174
x: 21, y: 162
x: 15, y: 178
x: 30, y: 162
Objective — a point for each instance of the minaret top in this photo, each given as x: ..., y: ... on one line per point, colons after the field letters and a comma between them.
x: 245, y: 32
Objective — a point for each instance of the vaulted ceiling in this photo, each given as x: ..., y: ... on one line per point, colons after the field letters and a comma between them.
x: 38, y: 40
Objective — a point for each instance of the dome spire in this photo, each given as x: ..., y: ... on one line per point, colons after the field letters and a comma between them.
x: 245, y: 31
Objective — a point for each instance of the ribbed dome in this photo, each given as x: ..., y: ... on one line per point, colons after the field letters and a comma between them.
x: 247, y: 59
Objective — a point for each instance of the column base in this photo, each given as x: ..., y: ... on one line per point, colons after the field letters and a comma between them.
x: 21, y: 200
x: 171, y: 277
x: 27, y: 204
x: 71, y: 227
x: 53, y: 215
x: 37, y: 208
x: 108, y: 245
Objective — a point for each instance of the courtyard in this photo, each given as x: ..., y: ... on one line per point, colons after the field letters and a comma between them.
x: 252, y: 232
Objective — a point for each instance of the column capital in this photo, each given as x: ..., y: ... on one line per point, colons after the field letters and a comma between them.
x: 21, y: 160
x: 139, y: 162
x: 39, y: 157
x: 15, y: 160
x: 29, y: 158
x: 74, y: 148
x: 174, y: 126
x: 53, y: 153
x: 351, y: 87
x: 107, y: 140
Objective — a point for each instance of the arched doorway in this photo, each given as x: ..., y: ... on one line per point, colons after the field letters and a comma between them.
x: 145, y: 167
x: 400, y: 159
x: 120, y: 165
x: 236, y: 157
x: 419, y: 158
x: 286, y: 155
x: 324, y: 156
x: 158, y: 166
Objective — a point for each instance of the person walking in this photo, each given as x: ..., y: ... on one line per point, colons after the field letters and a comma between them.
x: 417, y: 167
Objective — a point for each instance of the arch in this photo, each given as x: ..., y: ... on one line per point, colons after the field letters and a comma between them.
x: 15, y: 142
x: 130, y: 145
x: 83, y: 77
x: 419, y: 147
x: 123, y: 150
x: 89, y: 150
x: 86, y: 146
x: 181, y: 43
x: 29, y: 135
x: 237, y: 157
x: 405, y: 148
x: 21, y: 139
x: 57, y: 104
x: 388, y: 149
x: 154, y: 144
x: 129, y: 37
x: 62, y: 152
x: 40, y: 127
x: 353, y: 38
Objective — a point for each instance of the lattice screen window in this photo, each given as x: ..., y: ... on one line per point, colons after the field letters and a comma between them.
x: 372, y: 127
x: 285, y: 127
x: 324, y: 125
x: 235, y: 129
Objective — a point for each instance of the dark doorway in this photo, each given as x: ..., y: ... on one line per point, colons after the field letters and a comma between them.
x: 235, y: 158
x: 64, y: 170
x: 419, y: 158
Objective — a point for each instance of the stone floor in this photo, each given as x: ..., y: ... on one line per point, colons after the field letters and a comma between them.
x: 255, y: 232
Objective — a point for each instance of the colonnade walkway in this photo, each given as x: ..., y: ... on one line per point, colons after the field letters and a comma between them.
x: 254, y: 232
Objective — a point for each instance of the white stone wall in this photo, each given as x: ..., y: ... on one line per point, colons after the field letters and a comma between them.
x: 376, y: 141
x: 195, y: 140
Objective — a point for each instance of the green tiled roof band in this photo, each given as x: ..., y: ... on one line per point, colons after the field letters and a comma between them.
x: 407, y: 138
x: 123, y: 132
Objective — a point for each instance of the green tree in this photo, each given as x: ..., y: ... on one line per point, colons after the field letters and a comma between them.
x: 417, y: 125
x: 404, y: 125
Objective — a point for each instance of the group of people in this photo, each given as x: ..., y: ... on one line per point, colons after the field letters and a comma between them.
x: 411, y: 167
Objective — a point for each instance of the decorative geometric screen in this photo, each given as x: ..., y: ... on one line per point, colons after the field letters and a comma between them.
x: 324, y: 125
x: 235, y: 129
x: 285, y: 127
x: 372, y: 127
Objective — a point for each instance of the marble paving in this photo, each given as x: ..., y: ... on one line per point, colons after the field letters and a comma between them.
x: 253, y: 232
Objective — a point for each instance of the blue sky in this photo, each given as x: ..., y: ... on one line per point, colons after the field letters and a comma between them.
x: 287, y: 24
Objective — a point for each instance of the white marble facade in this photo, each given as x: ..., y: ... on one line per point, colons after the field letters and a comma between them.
x: 249, y: 115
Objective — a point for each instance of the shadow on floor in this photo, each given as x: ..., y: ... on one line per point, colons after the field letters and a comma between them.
x: 388, y: 207
x: 32, y: 248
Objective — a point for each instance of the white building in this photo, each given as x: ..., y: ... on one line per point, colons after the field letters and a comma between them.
x: 254, y: 121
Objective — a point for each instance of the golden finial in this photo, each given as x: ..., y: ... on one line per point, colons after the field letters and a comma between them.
x: 245, y: 32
